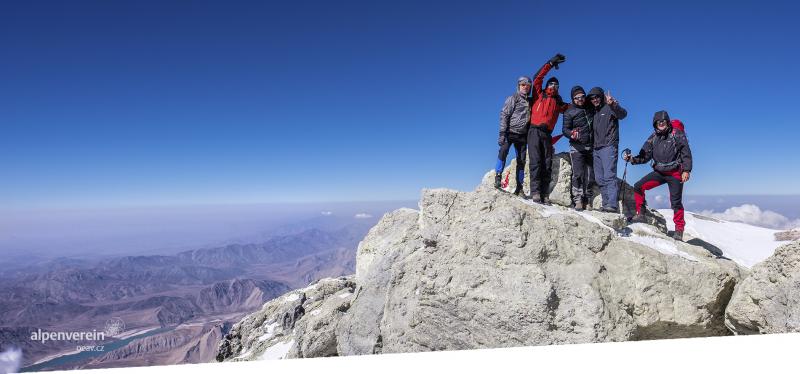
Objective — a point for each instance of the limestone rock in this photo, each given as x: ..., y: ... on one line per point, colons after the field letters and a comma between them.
x: 768, y: 301
x: 487, y: 269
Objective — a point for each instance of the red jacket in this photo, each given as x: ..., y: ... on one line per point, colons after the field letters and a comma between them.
x: 546, y: 105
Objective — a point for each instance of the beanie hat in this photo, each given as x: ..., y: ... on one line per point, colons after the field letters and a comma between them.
x: 575, y: 90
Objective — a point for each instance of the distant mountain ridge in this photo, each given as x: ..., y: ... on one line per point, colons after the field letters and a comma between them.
x: 167, y: 290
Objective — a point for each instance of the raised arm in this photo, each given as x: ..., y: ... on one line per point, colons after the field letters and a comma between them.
x: 538, y: 79
x: 619, y: 111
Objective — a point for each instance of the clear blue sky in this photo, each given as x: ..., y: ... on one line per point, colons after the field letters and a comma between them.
x: 161, y: 102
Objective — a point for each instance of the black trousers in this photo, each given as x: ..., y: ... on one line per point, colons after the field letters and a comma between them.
x: 540, y: 160
x: 519, y: 141
x: 582, y: 175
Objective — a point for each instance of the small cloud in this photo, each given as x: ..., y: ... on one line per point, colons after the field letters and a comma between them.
x: 326, y: 213
x: 752, y: 214
x: 363, y: 215
x: 657, y: 201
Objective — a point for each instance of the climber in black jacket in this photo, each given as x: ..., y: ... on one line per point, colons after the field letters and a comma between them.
x: 668, y: 148
x: 577, y: 127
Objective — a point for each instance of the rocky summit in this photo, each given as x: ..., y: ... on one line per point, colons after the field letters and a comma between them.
x: 486, y: 269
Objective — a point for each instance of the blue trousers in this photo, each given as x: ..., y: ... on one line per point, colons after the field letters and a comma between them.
x: 605, y: 174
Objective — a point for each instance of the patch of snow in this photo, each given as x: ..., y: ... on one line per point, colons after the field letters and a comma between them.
x: 270, y: 332
x: 294, y: 296
x: 243, y: 355
x: 544, y: 210
x: 594, y: 219
x: 644, y: 236
x: 745, y: 244
x: 277, y: 351
x: 345, y: 295
x: 314, y: 312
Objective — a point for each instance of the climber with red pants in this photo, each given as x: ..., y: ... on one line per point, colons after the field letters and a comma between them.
x: 668, y: 149
x: 545, y: 108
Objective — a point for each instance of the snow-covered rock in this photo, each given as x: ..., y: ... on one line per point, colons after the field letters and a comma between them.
x: 768, y: 301
x: 740, y: 242
x: 308, y: 331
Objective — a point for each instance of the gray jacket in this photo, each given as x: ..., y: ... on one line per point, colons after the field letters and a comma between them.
x: 515, y: 116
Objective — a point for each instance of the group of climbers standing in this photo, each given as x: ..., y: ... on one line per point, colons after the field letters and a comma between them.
x: 591, y: 124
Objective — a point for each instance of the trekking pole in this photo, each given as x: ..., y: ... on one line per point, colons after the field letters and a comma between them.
x: 625, y: 152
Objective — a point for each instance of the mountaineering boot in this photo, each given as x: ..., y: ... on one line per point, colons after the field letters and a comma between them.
x: 588, y: 205
x: 678, y: 235
x: 518, y: 191
x: 498, y: 180
x: 535, y: 197
x: 638, y: 218
x: 579, y: 205
x: 545, y: 199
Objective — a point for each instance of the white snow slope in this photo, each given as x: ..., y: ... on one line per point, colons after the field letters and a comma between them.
x: 743, y: 243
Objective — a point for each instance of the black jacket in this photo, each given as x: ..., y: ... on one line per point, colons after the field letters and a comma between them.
x: 578, y: 118
x: 669, y: 150
x: 606, y: 121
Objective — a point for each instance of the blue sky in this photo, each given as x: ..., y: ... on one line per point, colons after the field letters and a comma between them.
x: 174, y: 102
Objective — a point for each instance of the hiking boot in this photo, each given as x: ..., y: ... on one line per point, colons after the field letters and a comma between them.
x: 678, y: 235
x: 579, y: 205
x: 518, y: 191
x: 535, y: 197
x: 546, y: 200
x: 638, y: 218
x: 498, y: 180
x: 608, y: 209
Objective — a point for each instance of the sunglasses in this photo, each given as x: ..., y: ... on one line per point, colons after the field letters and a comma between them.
x: 662, y: 122
x: 579, y: 97
x: 552, y: 84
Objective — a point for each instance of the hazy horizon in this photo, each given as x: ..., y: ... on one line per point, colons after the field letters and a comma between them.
x: 97, y: 233
x: 146, y: 230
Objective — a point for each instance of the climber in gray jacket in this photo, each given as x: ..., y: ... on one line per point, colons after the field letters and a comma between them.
x: 514, y: 122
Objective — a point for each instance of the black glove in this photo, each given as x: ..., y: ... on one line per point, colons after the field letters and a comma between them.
x: 557, y: 59
x: 627, y: 152
x: 503, y: 140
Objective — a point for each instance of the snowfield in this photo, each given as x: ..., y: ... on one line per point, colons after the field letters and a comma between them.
x: 743, y: 243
